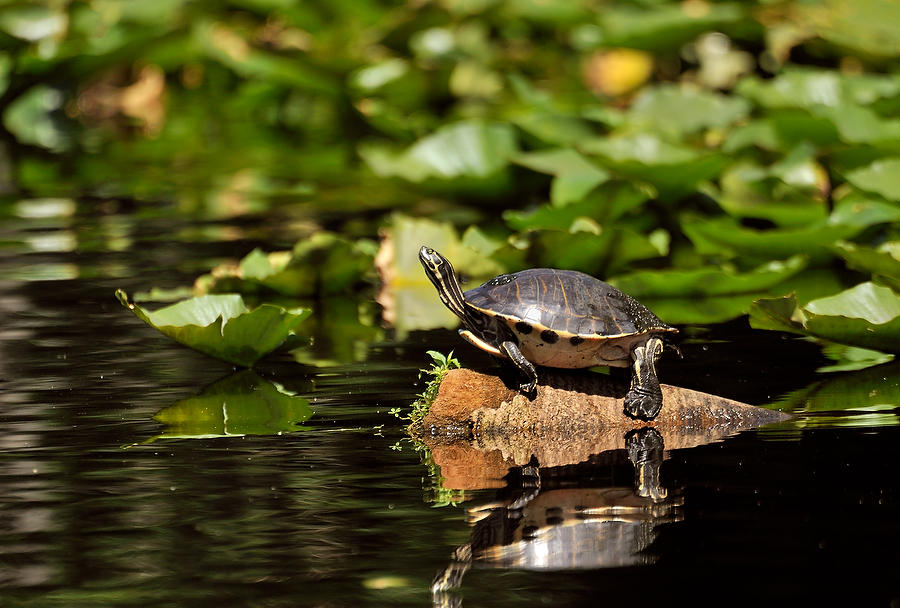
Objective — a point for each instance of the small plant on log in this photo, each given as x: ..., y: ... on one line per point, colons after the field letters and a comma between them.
x: 441, y: 364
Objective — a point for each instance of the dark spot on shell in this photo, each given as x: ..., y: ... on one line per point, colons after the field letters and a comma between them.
x: 549, y: 336
x: 523, y: 328
x: 576, y: 340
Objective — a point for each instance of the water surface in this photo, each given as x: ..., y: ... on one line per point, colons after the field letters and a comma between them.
x: 104, y: 505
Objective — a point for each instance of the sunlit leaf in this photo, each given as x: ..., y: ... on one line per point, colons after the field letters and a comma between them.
x: 829, y: 96
x: 866, y: 25
x: 408, y: 299
x: 240, y: 404
x: 867, y: 315
x: 30, y: 118
x: 708, y: 281
x: 882, y: 261
x: 788, y: 195
x: 222, y: 325
x: 869, y: 397
x: 704, y: 309
x: 553, y: 128
x: 465, y: 150
x: 850, y: 358
x: 881, y: 177
x: 598, y: 253
x: 665, y: 25
x: 320, y: 264
x: 725, y: 236
x: 604, y: 204
x: 683, y: 110
x: 575, y: 175
x: 673, y: 169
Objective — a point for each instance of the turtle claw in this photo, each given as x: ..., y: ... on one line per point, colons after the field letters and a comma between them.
x: 645, y: 406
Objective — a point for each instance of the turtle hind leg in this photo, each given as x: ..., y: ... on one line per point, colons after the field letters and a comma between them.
x: 644, y: 398
x: 525, y: 367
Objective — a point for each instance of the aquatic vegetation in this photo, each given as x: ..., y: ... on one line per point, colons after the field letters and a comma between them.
x: 441, y: 364
x: 222, y: 325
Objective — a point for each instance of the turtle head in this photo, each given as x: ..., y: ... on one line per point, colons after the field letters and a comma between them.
x: 439, y: 270
x: 433, y: 262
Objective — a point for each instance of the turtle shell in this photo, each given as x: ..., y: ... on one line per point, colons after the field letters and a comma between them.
x: 565, y: 318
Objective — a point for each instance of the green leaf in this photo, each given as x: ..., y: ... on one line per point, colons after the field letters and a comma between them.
x: 869, y: 26
x: 881, y: 177
x: 30, y: 119
x: 604, y: 204
x: 787, y: 193
x: 408, y: 298
x: 553, y: 128
x: 707, y: 281
x: 464, y: 150
x: 723, y: 235
x: 827, y: 95
x: 674, y: 169
x: 867, y: 316
x: 681, y: 110
x: 575, y: 176
x: 240, y: 404
x: 869, y: 397
x: 850, y: 358
x: 222, y: 325
x: 664, y: 26
x: 883, y: 261
x: 321, y: 264
x: 598, y: 252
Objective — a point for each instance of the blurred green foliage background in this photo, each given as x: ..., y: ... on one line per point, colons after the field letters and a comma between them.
x: 701, y: 155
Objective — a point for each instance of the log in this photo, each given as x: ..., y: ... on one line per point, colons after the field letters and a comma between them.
x: 478, y: 427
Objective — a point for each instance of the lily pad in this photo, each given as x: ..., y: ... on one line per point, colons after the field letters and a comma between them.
x: 683, y: 110
x: 665, y: 25
x: 604, y: 204
x: 882, y: 261
x: 707, y: 281
x: 868, y: 397
x: 575, y: 175
x: 674, y: 169
x: 851, y: 358
x: 725, y: 236
x: 240, y: 404
x: 704, y: 308
x: 592, y: 249
x: 468, y: 153
x: 407, y: 297
x: 881, y: 177
x: 321, y: 264
x: 791, y: 192
x: 222, y: 325
x: 867, y: 316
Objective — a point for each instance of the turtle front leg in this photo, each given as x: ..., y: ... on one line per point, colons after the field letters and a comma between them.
x: 529, y: 374
x: 644, y: 398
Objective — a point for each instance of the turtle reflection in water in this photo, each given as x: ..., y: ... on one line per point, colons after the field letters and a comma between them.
x: 557, y: 318
x: 546, y: 524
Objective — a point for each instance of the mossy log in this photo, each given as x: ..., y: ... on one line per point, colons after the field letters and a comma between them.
x: 478, y: 427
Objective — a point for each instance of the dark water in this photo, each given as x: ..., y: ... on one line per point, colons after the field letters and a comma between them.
x: 98, y: 507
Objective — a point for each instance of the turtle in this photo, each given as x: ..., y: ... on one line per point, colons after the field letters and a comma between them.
x: 558, y: 318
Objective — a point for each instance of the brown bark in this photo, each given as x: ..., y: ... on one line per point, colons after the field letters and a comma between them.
x: 477, y: 427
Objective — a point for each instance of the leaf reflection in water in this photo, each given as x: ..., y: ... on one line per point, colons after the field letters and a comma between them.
x: 240, y: 404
